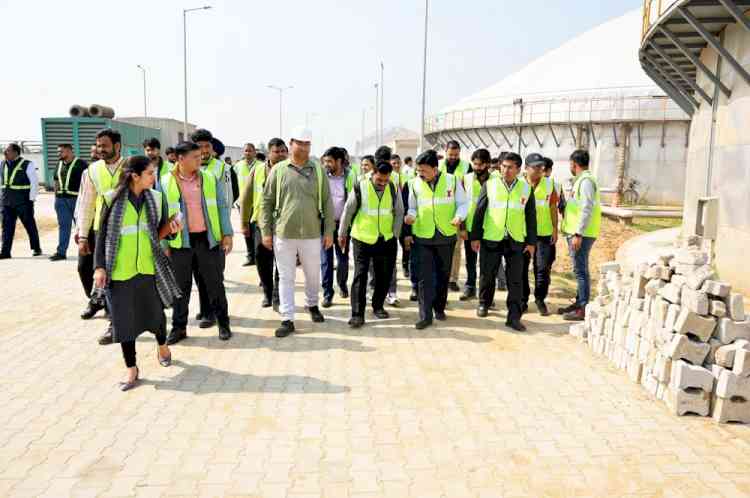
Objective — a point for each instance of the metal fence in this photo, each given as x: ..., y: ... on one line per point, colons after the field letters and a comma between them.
x: 652, y: 11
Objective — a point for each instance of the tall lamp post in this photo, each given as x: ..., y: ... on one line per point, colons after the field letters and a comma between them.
x: 424, y: 76
x: 184, y: 53
x: 281, y: 90
x: 382, y: 98
x: 145, y: 111
x: 377, y: 116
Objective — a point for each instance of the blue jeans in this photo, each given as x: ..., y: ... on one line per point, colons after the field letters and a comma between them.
x: 581, y: 269
x: 342, y: 265
x: 65, y: 208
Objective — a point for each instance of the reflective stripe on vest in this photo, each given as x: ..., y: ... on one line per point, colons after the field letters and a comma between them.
x: 65, y: 187
x: 134, y: 252
x: 435, y: 209
x: 506, y: 210
x: 8, y: 182
x: 171, y: 188
x: 216, y: 168
x: 375, y: 216
x: 542, y: 194
x: 259, y: 182
x: 103, y: 181
x: 572, y: 216
x: 473, y: 188
x: 282, y: 171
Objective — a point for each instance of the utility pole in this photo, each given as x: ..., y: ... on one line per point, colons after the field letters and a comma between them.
x: 377, y: 107
x: 382, y: 98
x: 184, y: 53
x: 280, y: 89
x: 145, y: 111
x: 362, y: 139
x: 424, y: 77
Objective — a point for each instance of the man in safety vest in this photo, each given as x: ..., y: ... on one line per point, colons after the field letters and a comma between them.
x: 67, y: 181
x: 295, y: 212
x: 101, y: 177
x: 454, y: 165
x: 545, y: 195
x: 243, y: 169
x: 250, y: 204
x: 375, y: 212
x: 404, y: 175
x: 504, y: 226
x: 20, y: 187
x: 197, y: 198
x: 152, y: 149
x: 473, y: 182
x: 548, y: 164
x: 437, y: 207
x: 581, y: 223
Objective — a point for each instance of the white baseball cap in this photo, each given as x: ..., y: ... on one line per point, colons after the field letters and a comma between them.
x: 301, y: 134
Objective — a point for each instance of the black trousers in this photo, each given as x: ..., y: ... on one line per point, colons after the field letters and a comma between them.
x: 128, y: 347
x: 382, y: 254
x: 342, y: 265
x: 471, y: 266
x: 489, y: 263
x: 405, y: 254
x: 542, y: 269
x: 252, y: 252
x: 433, y: 266
x: 86, y: 266
x: 210, y: 266
x: 264, y: 262
x: 24, y: 212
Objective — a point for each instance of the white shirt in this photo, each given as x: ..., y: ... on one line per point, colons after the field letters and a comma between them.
x: 31, y: 173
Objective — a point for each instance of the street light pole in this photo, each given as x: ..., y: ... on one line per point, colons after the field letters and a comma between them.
x: 382, y: 98
x: 145, y: 110
x: 424, y: 76
x: 184, y: 60
x: 280, y: 89
x: 361, y: 150
x: 377, y: 121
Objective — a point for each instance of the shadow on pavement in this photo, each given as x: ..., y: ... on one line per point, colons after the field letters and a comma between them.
x: 295, y: 343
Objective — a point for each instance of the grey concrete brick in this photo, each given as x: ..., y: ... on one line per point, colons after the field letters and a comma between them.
x: 672, y: 313
x: 741, y: 365
x: 687, y: 376
x: 725, y: 354
x: 610, y: 266
x: 691, y: 257
x: 729, y: 331
x: 731, y: 385
x: 683, y: 348
x: 690, y: 323
x: 671, y: 293
x: 653, y: 286
x: 696, y: 278
x: 683, y: 402
x: 716, y: 288
x: 729, y: 410
x: 679, y: 280
x: 694, y: 300
x: 717, y: 308
x: 662, y: 368
x: 735, y: 306
x: 683, y: 269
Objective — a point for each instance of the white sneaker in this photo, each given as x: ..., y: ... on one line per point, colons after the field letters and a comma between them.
x: 392, y: 300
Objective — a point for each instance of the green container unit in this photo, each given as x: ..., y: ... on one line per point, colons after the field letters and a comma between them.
x: 81, y: 133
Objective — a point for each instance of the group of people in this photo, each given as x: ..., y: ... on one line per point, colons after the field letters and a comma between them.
x: 146, y: 227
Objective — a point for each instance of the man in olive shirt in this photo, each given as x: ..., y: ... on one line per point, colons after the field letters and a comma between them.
x: 296, y: 205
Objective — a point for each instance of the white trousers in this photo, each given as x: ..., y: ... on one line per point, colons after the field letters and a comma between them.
x: 286, y: 252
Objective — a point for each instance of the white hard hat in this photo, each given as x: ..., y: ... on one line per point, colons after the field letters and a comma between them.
x: 301, y: 134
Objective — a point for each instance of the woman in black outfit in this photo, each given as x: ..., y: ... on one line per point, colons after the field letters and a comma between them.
x: 131, y: 265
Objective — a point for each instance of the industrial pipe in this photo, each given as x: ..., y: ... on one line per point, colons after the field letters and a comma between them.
x: 101, y: 111
x: 78, y: 111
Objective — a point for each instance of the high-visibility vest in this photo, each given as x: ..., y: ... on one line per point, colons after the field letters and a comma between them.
x: 216, y: 168
x: 473, y: 188
x: 64, y: 186
x: 435, y: 209
x: 351, y: 179
x: 165, y: 168
x: 505, y: 210
x: 405, y: 175
x: 283, y: 167
x: 375, y: 216
x: 542, y: 194
x: 356, y: 168
x: 9, y: 178
x: 171, y: 188
x: 572, y: 217
x: 134, y: 253
x: 461, y: 170
x: 259, y: 182
x: 243, y: 170
x: 103, y: 181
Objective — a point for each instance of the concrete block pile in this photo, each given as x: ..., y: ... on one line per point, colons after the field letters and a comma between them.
x: 677, y: 330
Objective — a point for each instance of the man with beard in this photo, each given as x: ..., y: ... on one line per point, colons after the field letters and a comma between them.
x: 20, y: 187
x: 152, y: 148
x: 68, y: 174
x: 244, y: 168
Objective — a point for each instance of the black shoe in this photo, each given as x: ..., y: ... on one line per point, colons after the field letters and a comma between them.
x: 287, y: 327
x: 406, y: 272
x: 381, y: 314
x: 422, y: 324
x: 316, y: 315
x: 344, y: 294
x: 37, y: 252
x: 453, y: 287
x: 90, y: 311
x: 57, y: 257
x: 224, y: 333
x: 482, y: 311
x: 440, y: 315
x: 4, y: 256
x: 207, y: 323
x: 249, y: 262
x: 524, y: 308
x: 492, y: 306
x: 413, y: 296
x: 266, y: 302
x: 198, y: 317
x: 276, y: 305
x: 356, y: 322
x: 327, y: 302
x: 106, y: 337
x: 468, y: 294
x: 502, y: 287
x: 517, y: 325
x: 567, y: 309
x: 542, y: 308
x: 176, y: 335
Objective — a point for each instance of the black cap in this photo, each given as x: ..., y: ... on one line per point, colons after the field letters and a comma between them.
x: 534, y: 159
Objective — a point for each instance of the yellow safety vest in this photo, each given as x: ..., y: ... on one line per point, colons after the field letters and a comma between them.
x: 473, y: 188
x: 572, y: 217
x: 435, y: 210
x: 542, y: 194
x: 9, y: 180
x: 505, y: 210
x: 243, y: 170
x: 375, y: 216
x: 171, y: 188
x: 259, y: 182
x: 103, y: 181
x: 461, y: 170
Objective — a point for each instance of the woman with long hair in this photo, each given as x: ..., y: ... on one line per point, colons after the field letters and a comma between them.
x: 130, y: 264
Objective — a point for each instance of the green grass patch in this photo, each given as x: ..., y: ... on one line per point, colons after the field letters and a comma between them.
x: 647, y: 225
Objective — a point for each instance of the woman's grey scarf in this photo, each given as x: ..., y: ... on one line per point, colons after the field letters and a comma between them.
x: 166, y: 283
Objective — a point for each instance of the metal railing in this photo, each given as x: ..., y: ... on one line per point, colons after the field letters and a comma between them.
x: 560, y: 111
x: 652, y: 11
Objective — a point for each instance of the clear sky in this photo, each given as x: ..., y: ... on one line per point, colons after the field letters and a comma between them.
x: 81, y: 51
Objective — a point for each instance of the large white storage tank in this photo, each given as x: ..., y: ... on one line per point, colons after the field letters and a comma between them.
x: 592, y: 93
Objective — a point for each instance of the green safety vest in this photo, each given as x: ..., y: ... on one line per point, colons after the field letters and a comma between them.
x: 405, y: 175
x: 572, y: 216
x: 505, y: 210
x: 166, y: 167
x: 65, y: 186
x: 134, y: 253
x: 473, y: 188
x: 243, y: 170
x: 9, y: 182
x: 103, y: 181
x: 435, y: 209
x: 542, y: 193
x: 171, y: 187
x: 318, y: 173
x: 461, y: 170
x: 375, y: 216
x: 351, y: 179
x: 215, y: 167
x: 259, y: 182
x: 356, y: 168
